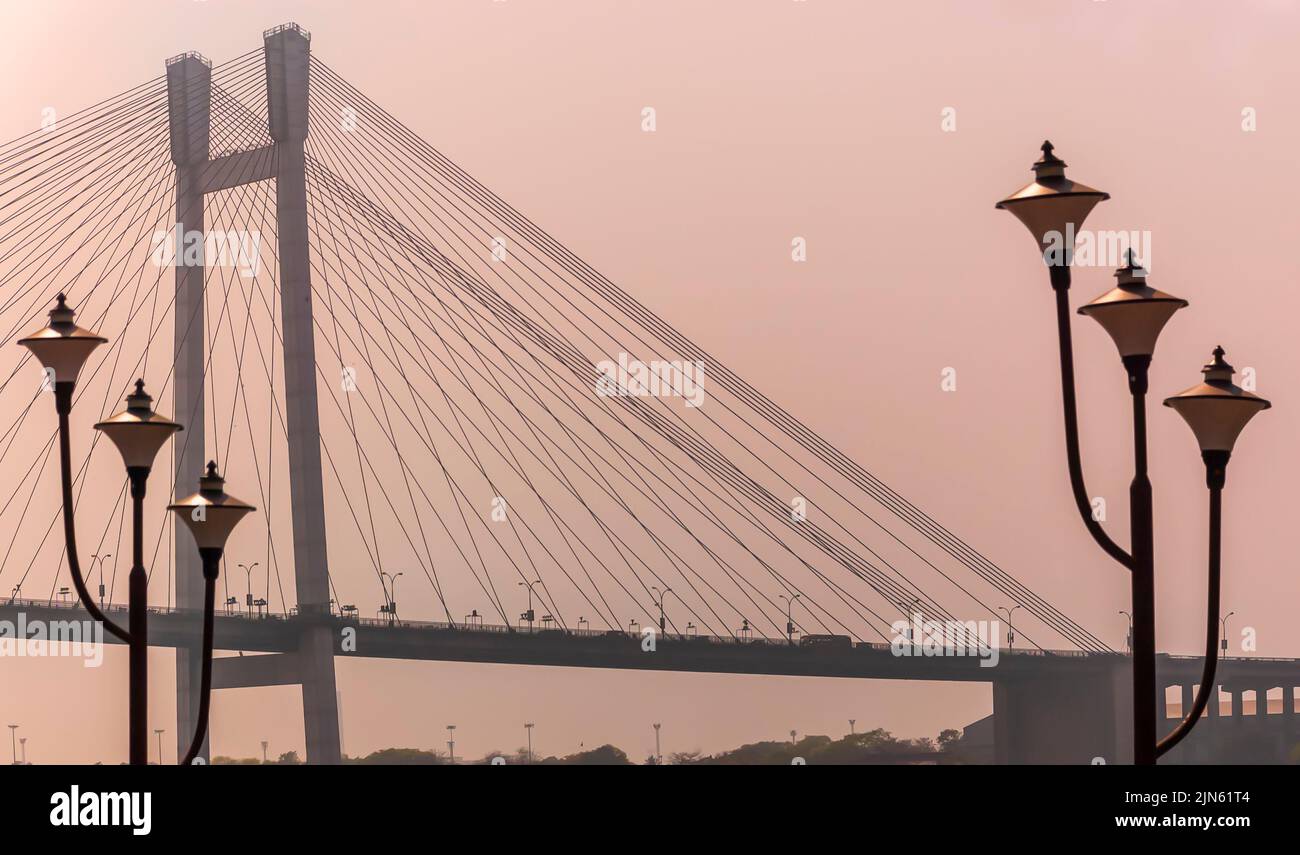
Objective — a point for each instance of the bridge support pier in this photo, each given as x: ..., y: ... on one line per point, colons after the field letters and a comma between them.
x: 1075, y: 719
x: 288, y: 57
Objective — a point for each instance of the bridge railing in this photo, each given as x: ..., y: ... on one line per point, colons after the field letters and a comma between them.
x: 839, y: 642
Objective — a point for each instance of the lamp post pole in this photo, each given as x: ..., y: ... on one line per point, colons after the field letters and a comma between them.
x: 248, y: 581
x: 529, y: 614
x: 139, y: 433
x: 789, y: 617
x: 1223, y: 622
x: 1011, y: 632
x: 101, y: 559
x: 1216, y: 410
x: 663, y: 595
x: 1053, y: 208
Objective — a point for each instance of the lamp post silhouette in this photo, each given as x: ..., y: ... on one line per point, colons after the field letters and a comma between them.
x: 211, y: 515
x: 1133, y: 313
x: 529, y: 615
x: 661, y: 596
x: 1011, y: 631
x: 248, y: 580
x: 1128, y: 639
x: 1216, y: 410
x: 138, y: 432
x: 101, y: 559
x: 1223, y: 621
x: 392, y: 599
x: 789, y: 617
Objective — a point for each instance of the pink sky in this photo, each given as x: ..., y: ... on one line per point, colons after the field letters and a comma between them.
x: 817, y: 119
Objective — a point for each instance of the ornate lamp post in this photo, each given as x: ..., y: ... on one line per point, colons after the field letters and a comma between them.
x: 1133, y: 313
x: 139, y: 433
x: 211, y: 515
x: 62, y: 348
x: 1216, y: 410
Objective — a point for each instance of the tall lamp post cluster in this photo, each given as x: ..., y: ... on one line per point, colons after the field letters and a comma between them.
x: 139, y: 433
x: 1053, y: 208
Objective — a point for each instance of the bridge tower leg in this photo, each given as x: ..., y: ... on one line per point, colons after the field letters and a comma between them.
x: 288, y: 58
x: 189, y: 88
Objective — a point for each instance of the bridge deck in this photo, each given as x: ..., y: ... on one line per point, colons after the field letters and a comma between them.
x: 416, y: 640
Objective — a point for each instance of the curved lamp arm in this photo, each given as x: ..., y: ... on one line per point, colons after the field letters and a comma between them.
x: 1207, y: 685
x: 63, y: 403
x: 1061, y: 285
x: 205, y: 684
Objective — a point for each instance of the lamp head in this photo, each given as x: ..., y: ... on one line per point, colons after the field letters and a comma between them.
x: 1216, y: 409
x: 1133, y: 312
x: 1053, y: 207
x: 211, y: 514
x: 61, y: 346
x: 138, y: 432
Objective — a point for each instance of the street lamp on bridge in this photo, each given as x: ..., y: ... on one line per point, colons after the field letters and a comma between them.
x: 789, y: 618
x: 1223, y: 621
x: 248, y: 579
x: 1133, y: 313
x: 101, y: 559
x: 527, y: 617
x: 1011, y: 632
x: 661, y: 596
x: 392, y: 599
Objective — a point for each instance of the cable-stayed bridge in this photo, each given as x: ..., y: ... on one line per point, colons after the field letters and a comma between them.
x: 413, y: 380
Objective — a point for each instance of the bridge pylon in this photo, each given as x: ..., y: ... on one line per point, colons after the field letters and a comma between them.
x: 288, y: 57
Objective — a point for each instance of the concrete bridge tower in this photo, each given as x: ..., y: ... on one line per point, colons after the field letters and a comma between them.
x: 189, y: 77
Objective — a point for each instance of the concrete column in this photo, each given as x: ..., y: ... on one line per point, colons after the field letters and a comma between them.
x: 1186, y: 701
x: 1261, y: 700
x: 288, y: 56
x: 189, y: 86
x: 1288, y: 715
